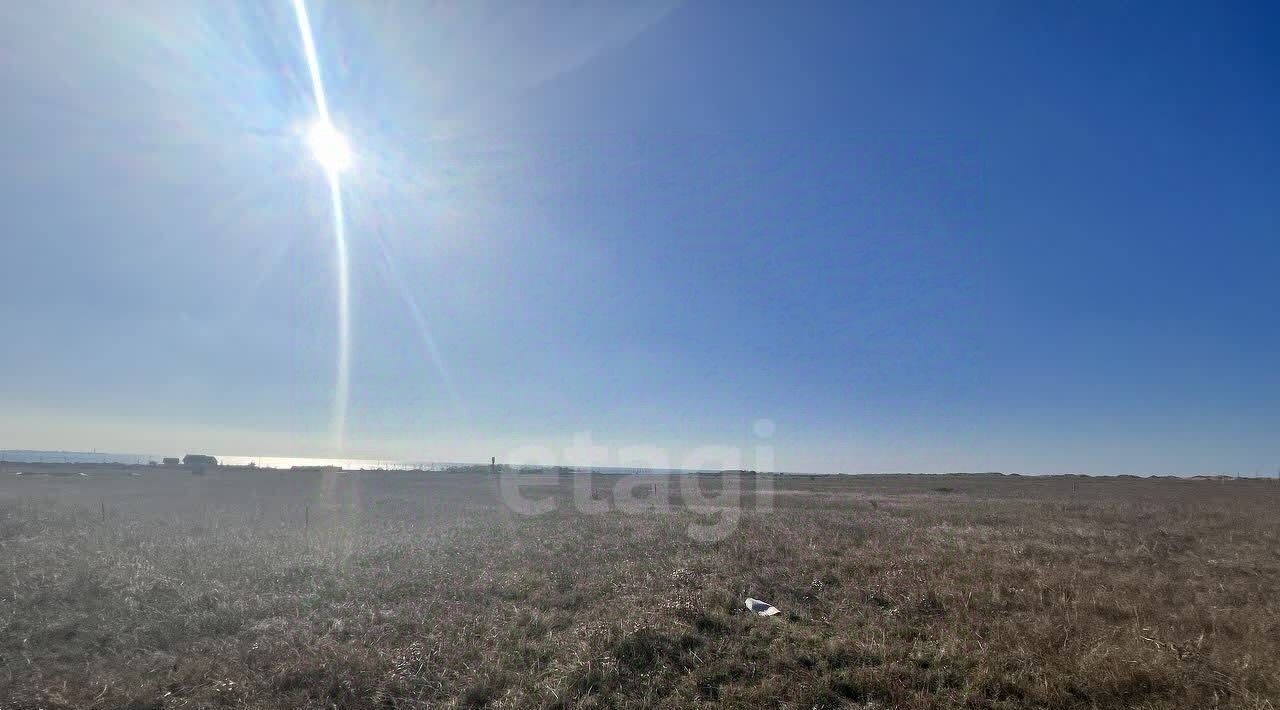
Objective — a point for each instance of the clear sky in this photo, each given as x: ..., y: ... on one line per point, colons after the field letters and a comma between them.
x: 1035, y: 237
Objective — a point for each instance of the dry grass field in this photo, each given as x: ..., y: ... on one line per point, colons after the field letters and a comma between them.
x: 259, y: 589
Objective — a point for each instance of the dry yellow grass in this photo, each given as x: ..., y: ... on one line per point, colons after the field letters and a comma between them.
x: 413, y: 590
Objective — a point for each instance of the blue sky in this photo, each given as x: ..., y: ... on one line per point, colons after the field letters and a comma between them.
x: 940, y: 236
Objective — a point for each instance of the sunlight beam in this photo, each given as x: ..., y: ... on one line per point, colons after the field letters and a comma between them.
x: 332, y: 152
x: 313, y: 64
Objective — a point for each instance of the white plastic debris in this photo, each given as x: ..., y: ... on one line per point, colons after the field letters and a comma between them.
x: 761, y: 608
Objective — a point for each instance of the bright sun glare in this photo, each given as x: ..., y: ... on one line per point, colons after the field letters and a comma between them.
x: 329, y: 146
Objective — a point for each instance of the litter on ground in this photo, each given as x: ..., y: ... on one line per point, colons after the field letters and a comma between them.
x: 761, y: 608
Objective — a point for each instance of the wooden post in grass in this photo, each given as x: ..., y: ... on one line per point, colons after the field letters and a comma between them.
x: 306, y: 517
x: 103, y: 506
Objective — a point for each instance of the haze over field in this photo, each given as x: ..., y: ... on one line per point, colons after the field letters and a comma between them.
x: 913, y: 237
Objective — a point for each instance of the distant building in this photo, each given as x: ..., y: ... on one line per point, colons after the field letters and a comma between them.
x: 171, y: 461
x: 199, y: 460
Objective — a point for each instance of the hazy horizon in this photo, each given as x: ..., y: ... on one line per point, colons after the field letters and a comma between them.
x: 285, y: 462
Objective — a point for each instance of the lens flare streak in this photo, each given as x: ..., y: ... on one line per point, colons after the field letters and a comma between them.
x: 331, y: 169
x: 313, y: 63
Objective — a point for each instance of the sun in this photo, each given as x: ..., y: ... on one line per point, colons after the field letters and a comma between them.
x: 329, y: 146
